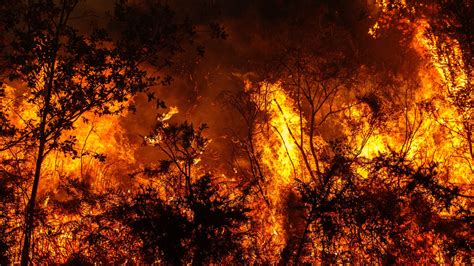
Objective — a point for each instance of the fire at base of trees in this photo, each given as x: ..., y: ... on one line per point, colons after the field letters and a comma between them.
x: 329, y: 148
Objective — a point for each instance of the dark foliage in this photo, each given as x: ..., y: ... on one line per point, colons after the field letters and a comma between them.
x: 392, y: 215
x: 195, y: 223
x: 176, y: 231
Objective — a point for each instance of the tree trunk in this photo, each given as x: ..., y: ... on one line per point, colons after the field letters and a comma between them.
x: 468, y: 127
x: 303, y: 239
x: 30, y: 208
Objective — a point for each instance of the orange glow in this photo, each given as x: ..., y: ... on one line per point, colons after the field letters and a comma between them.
x: 421, y: 118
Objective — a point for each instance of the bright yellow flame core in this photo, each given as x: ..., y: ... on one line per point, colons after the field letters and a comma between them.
x: 280, y: 153
x: 279, y: 144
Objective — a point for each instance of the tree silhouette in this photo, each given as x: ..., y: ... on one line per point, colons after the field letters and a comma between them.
x: 390, y: 216
x: 64, y: 74
x: 194, y: 220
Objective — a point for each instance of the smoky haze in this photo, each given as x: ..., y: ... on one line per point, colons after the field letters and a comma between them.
x: 258, y: 32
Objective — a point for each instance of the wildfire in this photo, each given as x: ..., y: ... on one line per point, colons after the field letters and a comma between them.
x: 444, y: 124
x: 335, y: 138
x: 279, y: 155
x: 97, y: 138
x: 103, y: 151
x: 417, y: 132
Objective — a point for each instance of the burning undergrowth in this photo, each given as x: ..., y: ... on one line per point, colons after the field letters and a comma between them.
x: 313, y: 132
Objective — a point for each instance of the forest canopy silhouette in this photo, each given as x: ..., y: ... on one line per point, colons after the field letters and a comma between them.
x: 236, y: 132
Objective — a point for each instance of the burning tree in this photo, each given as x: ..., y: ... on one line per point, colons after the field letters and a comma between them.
x: 337, y: 156
x: 330, y: 133
x: 65, y: 74
x: 444, y: 32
